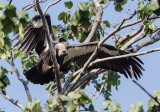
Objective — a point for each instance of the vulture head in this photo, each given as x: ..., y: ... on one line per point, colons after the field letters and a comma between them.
x: 61, y: 50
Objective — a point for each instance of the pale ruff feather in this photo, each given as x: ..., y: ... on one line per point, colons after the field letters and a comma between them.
x: 38, y: 23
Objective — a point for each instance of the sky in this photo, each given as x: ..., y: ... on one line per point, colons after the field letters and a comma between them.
x: 128, y: 93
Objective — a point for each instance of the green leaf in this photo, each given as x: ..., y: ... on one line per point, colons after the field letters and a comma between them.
x: 118, y: 8
x: 61, y: 15
x: 85, y: 99
x: 22, y: 14
x: 74, y: 95
x: 47, y: 86
x: 2, y: 15
x: 68, y: 4
x: 106, y: 23
x: 154, y: 5
x: 71, y: 106
x: 1, y: 42
x: 35, y: 106
x: 107, y: 102
x: 55, y: 30
x: 103, y: 1
x: 156, y: 92
x: 3, y: 5
x: 10, y: 11
x: 83, y: 6
x: 141, y: 4
x: 152, y: 26
x: 3, y: 91
x: 80, y: 37
x: 146, y: 22
x: 91, y: 108
x: 147, y: 10
x: 6, y: 80
x: 136, y: 108
x: 63, y: 97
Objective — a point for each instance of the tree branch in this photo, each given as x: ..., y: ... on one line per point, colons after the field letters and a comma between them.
x: 99, y: 12
x: 147, y: 42
x: 138, y: 37
x: 50, y: 6
x: 10, y: 2
x: 21, y: 79
x: 133, y: 34
x: 51, y: 49
x: 13, y: 101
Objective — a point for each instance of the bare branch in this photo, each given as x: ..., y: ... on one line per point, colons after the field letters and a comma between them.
x: 51, y: 49
x: 155, y: 98
x: 31, y: 5
x: 15, y: 102
x: 50, y: 6
x: 138, y: 37
x: 147, y: 42
x: 99, y: 93
x: 10, y: 2
x: 106, y: 5
x: 99, y: 12
x: 120, y: 41
x: 21, y: 79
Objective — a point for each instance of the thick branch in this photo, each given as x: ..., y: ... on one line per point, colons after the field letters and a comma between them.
x: 147, y: 42
x: 13, y: 101
x: 21, y: 79
x: 99, y: 12
x: 50, y: 6
x: 51, y: 49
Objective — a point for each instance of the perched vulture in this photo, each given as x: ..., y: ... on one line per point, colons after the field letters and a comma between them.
x: 41, y: 73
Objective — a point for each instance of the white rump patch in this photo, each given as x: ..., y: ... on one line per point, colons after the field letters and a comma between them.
x: 38, y: 23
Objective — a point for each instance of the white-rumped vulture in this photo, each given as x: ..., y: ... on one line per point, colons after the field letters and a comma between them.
x: 41, y: 73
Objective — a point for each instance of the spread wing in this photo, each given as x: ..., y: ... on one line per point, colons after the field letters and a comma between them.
x: 34, y: 37
x: 81, y: 53
x: 42, y: 72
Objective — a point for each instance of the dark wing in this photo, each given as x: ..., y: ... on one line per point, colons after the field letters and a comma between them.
x: 81, y: 53
x: 34, y: 37
x: 42, y: 72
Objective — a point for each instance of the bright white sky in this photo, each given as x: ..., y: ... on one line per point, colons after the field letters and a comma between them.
x: 128, y: 93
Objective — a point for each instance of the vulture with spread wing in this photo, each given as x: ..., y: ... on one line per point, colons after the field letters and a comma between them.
x: 42, y: 72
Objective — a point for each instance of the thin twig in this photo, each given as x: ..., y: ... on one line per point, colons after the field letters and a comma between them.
x: 51, y: 49
x: 21, y: 79
x: 15, y: 102
x: 99, y: 93
x: 10, y: 2
x: 132, y: 74
x: 50, y: 6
